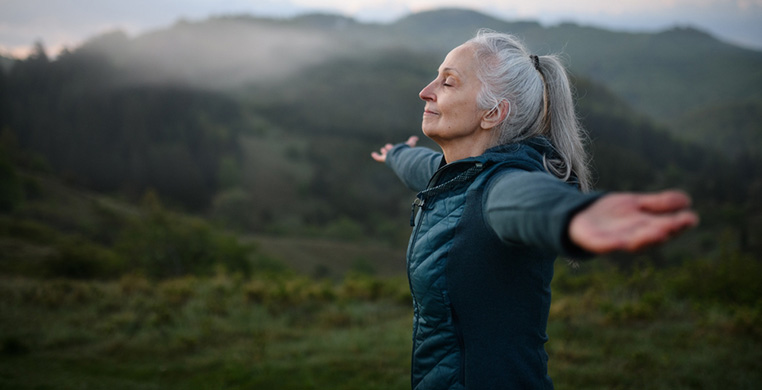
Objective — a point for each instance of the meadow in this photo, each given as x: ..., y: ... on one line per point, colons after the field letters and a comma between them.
x: 691, y: 327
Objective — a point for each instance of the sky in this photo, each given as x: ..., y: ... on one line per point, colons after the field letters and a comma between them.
x: 62, y: 24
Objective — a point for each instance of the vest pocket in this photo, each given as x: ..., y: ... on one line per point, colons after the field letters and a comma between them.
x: 459, y: 337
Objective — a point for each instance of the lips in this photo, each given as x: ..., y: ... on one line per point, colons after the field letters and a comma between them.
x: 429, y: 112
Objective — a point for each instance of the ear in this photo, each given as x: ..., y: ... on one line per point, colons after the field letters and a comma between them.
x: 496, y: 115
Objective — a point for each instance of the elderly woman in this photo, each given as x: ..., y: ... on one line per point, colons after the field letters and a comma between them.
x: 505, y: 197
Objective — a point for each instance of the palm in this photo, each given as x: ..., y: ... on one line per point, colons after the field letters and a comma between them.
x: 630, y: 222
x: 380, y: 156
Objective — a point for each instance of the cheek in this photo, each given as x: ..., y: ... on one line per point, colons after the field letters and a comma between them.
x: 465, y: 116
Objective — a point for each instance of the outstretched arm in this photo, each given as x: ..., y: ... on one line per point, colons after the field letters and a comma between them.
x: 414, y: 166
x: 629, y: 222
x: 536, y: 209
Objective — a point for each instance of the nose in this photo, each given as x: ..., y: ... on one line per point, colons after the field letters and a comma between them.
x: 427, y: 93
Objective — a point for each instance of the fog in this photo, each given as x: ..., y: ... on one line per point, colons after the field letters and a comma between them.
x: 217, y: 53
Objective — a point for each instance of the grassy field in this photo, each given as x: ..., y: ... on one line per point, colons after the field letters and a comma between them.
x: 331, y: 259
x: 641, y: 329
x: 189, y: 333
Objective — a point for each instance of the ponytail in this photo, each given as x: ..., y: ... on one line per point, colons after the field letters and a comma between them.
x: 560, y: 123
x: 540, y: 98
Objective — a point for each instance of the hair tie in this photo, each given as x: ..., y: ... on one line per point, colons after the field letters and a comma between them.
x: 535, y: 61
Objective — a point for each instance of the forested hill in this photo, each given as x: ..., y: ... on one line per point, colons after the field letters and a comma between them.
x: 662, y: 74
x: 667, y: 75
x: 266, y: 125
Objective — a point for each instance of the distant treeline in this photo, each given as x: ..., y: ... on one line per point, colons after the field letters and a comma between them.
x: 120, y: 139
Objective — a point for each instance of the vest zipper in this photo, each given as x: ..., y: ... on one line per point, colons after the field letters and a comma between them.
x: 419, y: 203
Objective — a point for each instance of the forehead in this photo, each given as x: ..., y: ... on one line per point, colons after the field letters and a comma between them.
x: 461, y: 60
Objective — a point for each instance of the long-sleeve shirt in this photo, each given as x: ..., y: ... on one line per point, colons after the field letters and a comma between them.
x: 480, y: 262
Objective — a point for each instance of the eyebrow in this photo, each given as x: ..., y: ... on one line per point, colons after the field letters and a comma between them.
x: 451, y: 70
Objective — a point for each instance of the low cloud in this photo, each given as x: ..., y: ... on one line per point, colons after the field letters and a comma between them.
x: 219, y: 53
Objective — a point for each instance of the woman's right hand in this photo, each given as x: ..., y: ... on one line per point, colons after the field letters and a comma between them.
x: 380, y: 156
x: 631, y: 221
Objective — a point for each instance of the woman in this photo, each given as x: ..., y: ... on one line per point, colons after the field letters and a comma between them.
x: 506, y: 195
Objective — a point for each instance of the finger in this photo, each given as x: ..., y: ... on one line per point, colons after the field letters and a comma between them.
x: 638, y: 234
x: 658, y: 230
x: 412, y: 141
x: 378, y: 156
x: 664, y: 202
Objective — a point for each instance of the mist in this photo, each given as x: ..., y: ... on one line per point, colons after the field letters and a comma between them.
x: 219, y: 53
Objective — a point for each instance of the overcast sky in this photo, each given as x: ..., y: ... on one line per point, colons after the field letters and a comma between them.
x: 67, y: 23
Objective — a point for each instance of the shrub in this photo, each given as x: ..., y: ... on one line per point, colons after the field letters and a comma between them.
x: 731, y: 280
x: 234, y: 209
x: 344, y: 229
x: 28, y: 230
x: 79, y: 258
x: 164, y: 246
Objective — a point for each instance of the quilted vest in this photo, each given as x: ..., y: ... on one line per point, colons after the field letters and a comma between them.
x: 480, y: 304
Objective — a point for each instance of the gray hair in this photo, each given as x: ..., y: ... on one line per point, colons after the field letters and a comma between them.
x: 539, y: 95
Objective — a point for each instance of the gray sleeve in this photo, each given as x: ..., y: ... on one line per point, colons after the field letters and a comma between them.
x: 535, y: 208
x: 414, y: 166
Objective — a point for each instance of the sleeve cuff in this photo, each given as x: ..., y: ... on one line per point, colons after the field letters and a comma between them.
x: 568, y: 248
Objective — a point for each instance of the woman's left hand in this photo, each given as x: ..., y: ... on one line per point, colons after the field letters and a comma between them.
x: 629, y: 222
x: 380, y: 156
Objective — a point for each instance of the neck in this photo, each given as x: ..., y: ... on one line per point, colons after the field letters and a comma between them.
x: 461, y: 148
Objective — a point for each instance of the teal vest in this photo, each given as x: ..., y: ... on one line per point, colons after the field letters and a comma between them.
x: 480, y: 304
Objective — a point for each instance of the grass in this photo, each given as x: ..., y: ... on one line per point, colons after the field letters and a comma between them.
x: 608, y: 329
x: 670, y: 353
x: 332, y: 258
x: 656, y: 328
x: 200, y: 333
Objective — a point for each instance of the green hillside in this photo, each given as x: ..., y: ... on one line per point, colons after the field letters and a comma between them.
x: 733, y: 127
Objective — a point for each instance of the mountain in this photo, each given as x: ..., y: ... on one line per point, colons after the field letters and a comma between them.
x: 666, y: 75
x: 663, y: 74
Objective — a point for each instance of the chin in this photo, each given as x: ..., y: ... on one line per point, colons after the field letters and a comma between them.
x: 429, y: 132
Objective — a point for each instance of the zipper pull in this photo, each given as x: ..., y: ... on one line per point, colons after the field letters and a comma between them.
x: 418, y: 202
